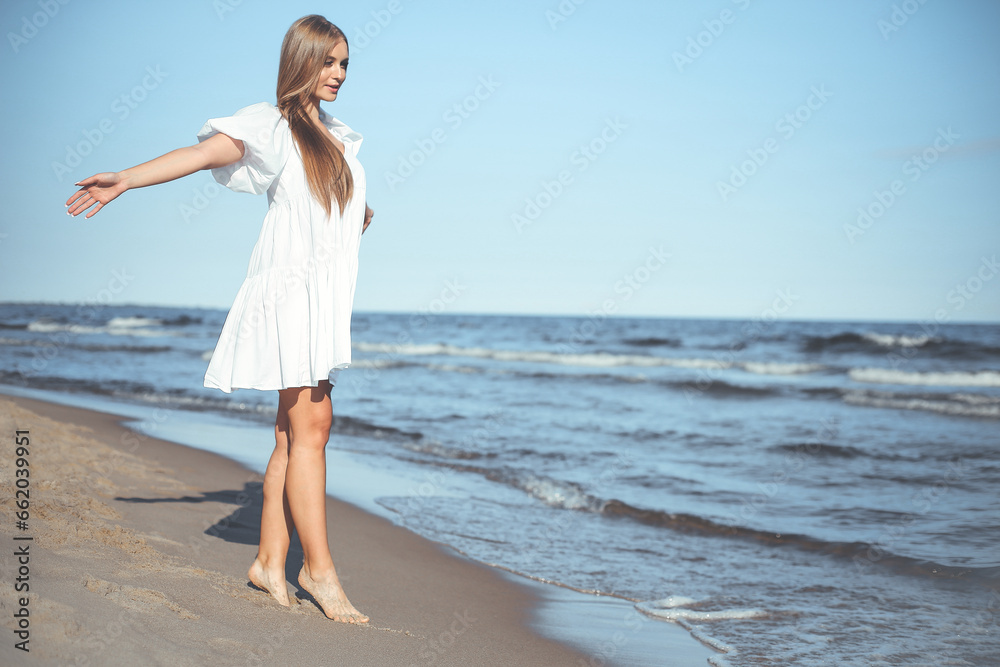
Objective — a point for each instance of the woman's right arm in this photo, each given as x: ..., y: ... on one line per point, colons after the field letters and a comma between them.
x: 98, y: 190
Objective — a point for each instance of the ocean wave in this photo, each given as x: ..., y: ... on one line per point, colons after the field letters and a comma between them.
x: 121, y: 322
x: 38, y: 342
x: 379, y: 364
x: 571, y: 496
x: 946, y: 379
x: 566, y: 495
x: 181, y: 321
x: 721, y: 389
x: 375, y: 364
x: 144, y: 349
x: 716, y: 387
x: 116, y: 388
x: 776, y: 368
x: 455, y: 368
x: 534, y: 375
x: 652, y: 341
x: 552, y: 492
x: 443, y: 451
x: 856, y: 551
x: 117, y: 326
x: 250, y: 409
x: 850, y: 340
x: 821, y: 449
x: 959, y: 405
x: 359, y: 427
x: 674, y: 609
x: 144, y: 393
x: 595, y: 359
x: 599, y: 359
x: 827, y: 450
x: 890, y: 340
x: 901, y: 345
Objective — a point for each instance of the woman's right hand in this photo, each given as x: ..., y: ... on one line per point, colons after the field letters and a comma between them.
x: 218, y: 150
x: 96, y: 192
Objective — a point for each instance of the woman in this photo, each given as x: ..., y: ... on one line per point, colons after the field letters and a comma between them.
x: 289, y: 327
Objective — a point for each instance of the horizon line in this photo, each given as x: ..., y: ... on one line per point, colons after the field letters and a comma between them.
x: 825, y: 319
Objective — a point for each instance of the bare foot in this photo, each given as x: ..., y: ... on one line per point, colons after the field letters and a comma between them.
x: 272, y: 582
x: 331, y: 598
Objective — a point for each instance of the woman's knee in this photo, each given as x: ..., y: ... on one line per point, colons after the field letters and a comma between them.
x: 312, y: 423
x: 314, y: 434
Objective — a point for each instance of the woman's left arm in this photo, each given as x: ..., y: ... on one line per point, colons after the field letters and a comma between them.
x: 368, y: 217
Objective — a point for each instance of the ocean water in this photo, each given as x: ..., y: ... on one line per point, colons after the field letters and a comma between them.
x: 807, y: 493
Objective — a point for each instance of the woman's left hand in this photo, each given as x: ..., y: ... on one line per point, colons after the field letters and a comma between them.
x: 368, y: 218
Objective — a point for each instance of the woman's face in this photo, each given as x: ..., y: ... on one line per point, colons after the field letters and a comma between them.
x: 333, y: 74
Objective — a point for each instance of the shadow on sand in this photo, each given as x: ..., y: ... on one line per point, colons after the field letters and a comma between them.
x: 242, y: 525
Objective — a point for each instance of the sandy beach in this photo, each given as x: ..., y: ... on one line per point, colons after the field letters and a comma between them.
x: 138, y: 553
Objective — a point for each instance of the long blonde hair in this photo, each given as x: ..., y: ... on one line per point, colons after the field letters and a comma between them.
x: 303, y: 55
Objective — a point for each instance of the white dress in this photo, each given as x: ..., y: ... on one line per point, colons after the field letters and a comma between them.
x: 290, y: 323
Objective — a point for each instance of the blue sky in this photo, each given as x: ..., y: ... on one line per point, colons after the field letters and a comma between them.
x: 641, y: 158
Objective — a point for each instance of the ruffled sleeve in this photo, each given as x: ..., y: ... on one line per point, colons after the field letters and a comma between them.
x: 265, y: 138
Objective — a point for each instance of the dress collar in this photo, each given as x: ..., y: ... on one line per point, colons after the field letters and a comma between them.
x: 341, y: 131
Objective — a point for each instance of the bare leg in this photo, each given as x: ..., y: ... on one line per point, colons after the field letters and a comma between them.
x: 310, y: 415
x: 268, y: 569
